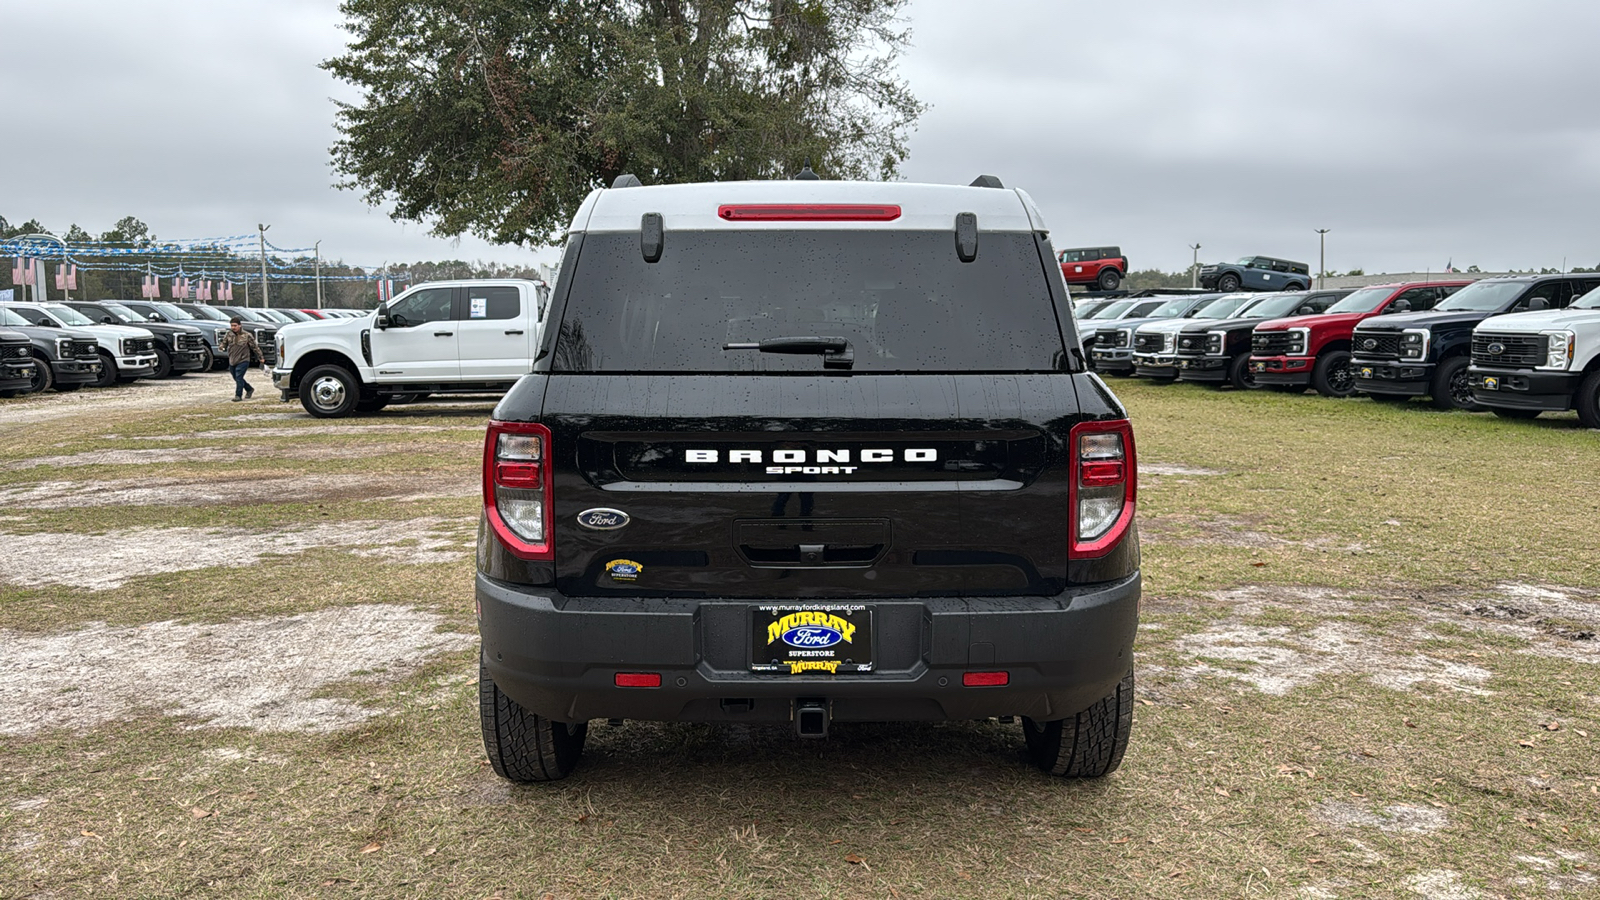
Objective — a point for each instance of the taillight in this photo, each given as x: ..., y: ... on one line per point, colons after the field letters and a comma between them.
x: 1104, y: 485
x: 517, y: 493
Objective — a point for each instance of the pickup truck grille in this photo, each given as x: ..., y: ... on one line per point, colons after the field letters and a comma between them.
x: 139, y: 345
x: 1377, y: 346
x: 1270, y: 343
x: 1149, y: 343
x: 1192, y: 344
x: 83, y: 349
x: 1112, y: 337
x: 1516, y: 351
x: 20, y: 351
x: 183, y: 342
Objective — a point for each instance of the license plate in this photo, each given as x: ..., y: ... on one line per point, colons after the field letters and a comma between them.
x: 1491, y: 384
x: 1258, y: 367
x: 830, y: 638
x: 1366, y: 371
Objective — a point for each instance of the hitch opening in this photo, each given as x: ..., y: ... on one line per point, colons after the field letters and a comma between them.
x: 811, y: 718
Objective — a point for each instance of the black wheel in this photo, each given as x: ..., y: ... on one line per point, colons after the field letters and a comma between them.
x: 163, y: 364
x: 44, y: 377
x: 208, y: 360
x: 1452, y: 386
x: 1587, y: 400
x: 522, y: 746
x: 372, y: 405
x: 108, y: 371
x: 1239, y: 374
x: 1109, y: 279
x: 1228, y: 283
x: 1087, y: 745
x: 1287, y: 388
x: 1292, y: 286
x: 329, y: 392
x: 1504, y: 413
x: 1332, y: 375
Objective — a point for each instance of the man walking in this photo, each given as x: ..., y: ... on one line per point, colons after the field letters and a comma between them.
x: 242, y: 350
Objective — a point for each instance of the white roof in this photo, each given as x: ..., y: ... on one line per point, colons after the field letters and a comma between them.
x: 693, y: 207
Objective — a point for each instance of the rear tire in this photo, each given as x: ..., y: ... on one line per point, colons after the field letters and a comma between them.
x: 1239, y: 374
x: 1109, y: 279
x: 1452, y: 387
x: 1088, y: 745
x: 1504, y: 413
x: 329, y: 392
x: 1331, y: 375
x: 1228, y: 283
x: 524, y: 747
x: 1587, y: 400
x: 108, y: 371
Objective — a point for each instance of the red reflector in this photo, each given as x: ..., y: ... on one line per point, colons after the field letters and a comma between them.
x: 638, y: 679
x: 985, y: 679
x: 1101, y: 474
x: 518, y: 475
x: 808, y: 212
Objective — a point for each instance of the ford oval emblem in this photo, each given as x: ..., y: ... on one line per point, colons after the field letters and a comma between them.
x: 1496, y: 349
x: 603, y: 519
x: 1369, y: 344
x: 812, y: 636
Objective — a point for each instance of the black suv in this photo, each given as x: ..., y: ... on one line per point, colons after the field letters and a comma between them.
x: 64, y: 359
x: 1426, y: 354
x: 1218, y: 350
x: 179, y: 348
x: 808, y: 452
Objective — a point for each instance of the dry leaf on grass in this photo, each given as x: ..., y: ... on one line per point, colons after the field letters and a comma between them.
x: 373, y: 847
x: 199, y: 812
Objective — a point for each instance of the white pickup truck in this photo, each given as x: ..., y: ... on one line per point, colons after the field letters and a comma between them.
x: 1545, y: 360
x: 440, y: 337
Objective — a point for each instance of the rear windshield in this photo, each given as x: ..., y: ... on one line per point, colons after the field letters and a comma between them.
x: 902, y: 299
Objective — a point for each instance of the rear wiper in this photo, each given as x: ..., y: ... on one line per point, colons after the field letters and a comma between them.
x: 835, y: 351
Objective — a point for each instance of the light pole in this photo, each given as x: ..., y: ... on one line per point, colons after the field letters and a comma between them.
x: 1194, y: 269
x: 266, y: 298
x: 1322, y: 255
x: 317, y: 247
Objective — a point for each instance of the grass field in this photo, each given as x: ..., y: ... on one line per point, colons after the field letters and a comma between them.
x: 237, y: 659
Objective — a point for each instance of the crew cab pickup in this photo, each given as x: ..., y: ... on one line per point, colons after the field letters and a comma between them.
x: 1427, y: 353
x: 1256, y: 273
x: 126, y: 352
x: 1103, y: 267
x: 1112, y: 351
x: 442, y: 337
x: 1290, y: 354
x: 1526, y: 363
x: 1218, y: 351
x: 64, y: 359
x: 178, y: 348
x: 805, y: 452
x: 1155, y: 345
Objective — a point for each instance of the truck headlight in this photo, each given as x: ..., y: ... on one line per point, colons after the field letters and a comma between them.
x: 1299, y: 339
x: 280, y: 347
x: 1215, y: 340
x: 64, y: 348
x: 1414, y: 343
x: 1560, y: 353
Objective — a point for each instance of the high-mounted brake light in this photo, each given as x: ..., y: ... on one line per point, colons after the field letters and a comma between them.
x: 808, y: 212
x: 1104, y: 486
x: 517, y: 493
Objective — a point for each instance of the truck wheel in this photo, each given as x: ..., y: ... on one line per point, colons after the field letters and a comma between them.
x: 1239, y: 374
x: 208, y: 360
x: 1228, y: 283
x: 1331, y: 376
x: 1452, y: 386
x: 1109, y: 279
x: 1587, y: 401
x: 524, y: 747
x: 1088, y: 745
x: 163, y: 364
x: 1504, y: 413
x: 44, y: 378
x: 329, y: 392
x: 108, y: 371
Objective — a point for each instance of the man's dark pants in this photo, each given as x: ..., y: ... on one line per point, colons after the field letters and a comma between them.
x: 240, y: 386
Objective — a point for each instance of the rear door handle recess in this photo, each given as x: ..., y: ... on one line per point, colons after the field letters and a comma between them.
x: 443, y: 333
x: 518, y: 331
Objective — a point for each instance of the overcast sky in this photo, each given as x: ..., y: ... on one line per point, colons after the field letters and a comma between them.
x: 1420, y: 132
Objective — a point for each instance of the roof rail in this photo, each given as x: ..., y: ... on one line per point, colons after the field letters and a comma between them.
x: 627, y: 179
x: 988, y: 181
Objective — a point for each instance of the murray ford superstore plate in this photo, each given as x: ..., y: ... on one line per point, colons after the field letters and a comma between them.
x: 830, y: 638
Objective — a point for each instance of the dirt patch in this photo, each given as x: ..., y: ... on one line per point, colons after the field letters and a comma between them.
x: 262, y: 673
x: 214, y: 491
x: 1149, y: 468
x: 1559, y: 872
x: 213, y: 455
x: 99, y: 562
x: 1441, y: 884
x: 144, y: 394
x: 1401, y: 818
x: 1556, y: 621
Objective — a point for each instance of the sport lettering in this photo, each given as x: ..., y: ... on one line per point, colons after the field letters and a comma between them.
x: 823, y: 457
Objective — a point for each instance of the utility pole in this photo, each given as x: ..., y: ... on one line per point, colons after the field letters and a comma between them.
x: 317, y: 247
x: 1194, y: 270
x: 1322, y: 257
x: 266, y: 297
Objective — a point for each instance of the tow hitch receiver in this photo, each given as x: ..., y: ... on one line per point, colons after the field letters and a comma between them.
x: 811, y: 718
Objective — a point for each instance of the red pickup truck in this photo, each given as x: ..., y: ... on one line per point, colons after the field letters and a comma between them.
x: 1290, y: 354
x: 1103, y: 267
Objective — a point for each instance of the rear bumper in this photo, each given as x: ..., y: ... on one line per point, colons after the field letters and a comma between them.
x: 1523, y: 388
x: 1282, y: 369
x: 558, y: 656
x: 1407, y: 379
